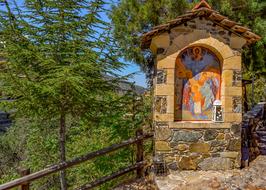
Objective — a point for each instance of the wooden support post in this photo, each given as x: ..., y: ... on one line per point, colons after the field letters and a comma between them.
x: 140, y: 153
x: 26, y: 185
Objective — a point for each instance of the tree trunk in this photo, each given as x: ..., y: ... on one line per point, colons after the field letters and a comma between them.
x: 63, y: 150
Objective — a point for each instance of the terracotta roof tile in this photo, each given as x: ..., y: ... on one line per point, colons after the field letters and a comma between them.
x: 202, y: 4
x: 201, y: 10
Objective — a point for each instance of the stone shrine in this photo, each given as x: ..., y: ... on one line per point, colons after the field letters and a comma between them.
x: 198, y: 62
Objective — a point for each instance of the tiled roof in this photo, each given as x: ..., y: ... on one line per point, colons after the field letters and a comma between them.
x: 202, y: 9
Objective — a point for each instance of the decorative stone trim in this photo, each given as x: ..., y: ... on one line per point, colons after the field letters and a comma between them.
x: 161, y: 104
x: 162, y: 131
x: 237, y: 78
x: 161, y: 76
x: 237, y: 104
x: 237, y: 52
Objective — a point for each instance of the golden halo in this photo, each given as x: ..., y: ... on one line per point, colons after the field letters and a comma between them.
x: 195, y: 49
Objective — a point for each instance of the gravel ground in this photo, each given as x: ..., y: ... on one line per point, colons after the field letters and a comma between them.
x: 138, y: 185
x: 251, y: 178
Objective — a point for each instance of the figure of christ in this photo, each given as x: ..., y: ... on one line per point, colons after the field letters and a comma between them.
x: 200, y: 72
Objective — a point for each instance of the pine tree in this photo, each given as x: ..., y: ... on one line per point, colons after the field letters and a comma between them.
x: 132, y: 18
x: 56, y: 56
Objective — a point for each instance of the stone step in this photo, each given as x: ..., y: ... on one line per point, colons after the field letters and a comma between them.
x: 255, y: 135
x: 3, y: 128
x: 5, y: 122
x: 261, y: 133
x: 261, y: 145
x: 262, y: 140
x: 262, y: 151
x: 4, y: 115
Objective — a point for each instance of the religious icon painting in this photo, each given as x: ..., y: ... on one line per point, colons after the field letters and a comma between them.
x: 198, y: 76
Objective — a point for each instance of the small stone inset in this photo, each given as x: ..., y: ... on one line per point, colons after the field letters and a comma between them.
x: 160, y: 51
x: 163, y: 132
x: 237, y: 78
x: 237, y: 52
x: 161, y: 104
x: 161, y: 77
x: 237, y: 104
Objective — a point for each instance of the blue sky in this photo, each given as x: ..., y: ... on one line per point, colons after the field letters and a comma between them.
x: 130, y: 68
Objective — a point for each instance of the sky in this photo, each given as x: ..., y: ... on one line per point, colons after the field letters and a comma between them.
x: 138, y: 78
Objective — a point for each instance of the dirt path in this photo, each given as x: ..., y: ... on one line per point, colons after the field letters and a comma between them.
x: 251, y: 178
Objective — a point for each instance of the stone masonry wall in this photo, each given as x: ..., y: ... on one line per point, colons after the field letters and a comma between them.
x: 198, y: 145
x: 198, y: 149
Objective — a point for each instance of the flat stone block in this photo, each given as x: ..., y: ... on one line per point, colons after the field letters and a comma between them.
x: 163, y: 117
x: 185, y: 136
x: 210, y: 134
x: 212, y: 41
x: 187, y: 163
x: 227, y: 103
x: 220, y: 136
x: 162, y: 146
x: 200, y: 34
x: 163, y: 133
x: 232, y: 63
x: 200, y: 148
x: 171, y: 104
x: 233, y: 155
x: 237, y: 42
x: 166, y: 63
x: 198, y: 125
x: 163, y: 89
x: 232, y: 117
x: 172, y: 49
x: 226, y: 52
x: 170, y: 76
x: 234, y: 145
x: 161, y: 41
x: 181, y: 41
x: 216, y: 163
x: 182, y: 147
x: 227, y: 78
x: 231, y: 91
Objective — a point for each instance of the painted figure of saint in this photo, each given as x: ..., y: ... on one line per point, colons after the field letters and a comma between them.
x: 199, y: 69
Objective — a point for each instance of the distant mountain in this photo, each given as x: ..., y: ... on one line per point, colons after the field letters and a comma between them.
x: 125, y: 86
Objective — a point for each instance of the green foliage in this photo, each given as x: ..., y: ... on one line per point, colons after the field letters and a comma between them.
x: 54, y: 59
x: 251, y: 13
x: 12, y: 152
x: 57, y: 56
x: 132, y: 18
x: 40, y: 145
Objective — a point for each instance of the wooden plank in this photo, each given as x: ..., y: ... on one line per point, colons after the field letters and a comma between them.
x: 228, y: 23
x: 140, y: 154
x: 26, y: 185
x: 112, y: 176
x: 217, y: 17
x: 68, y: 164
x: 239, y: 29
